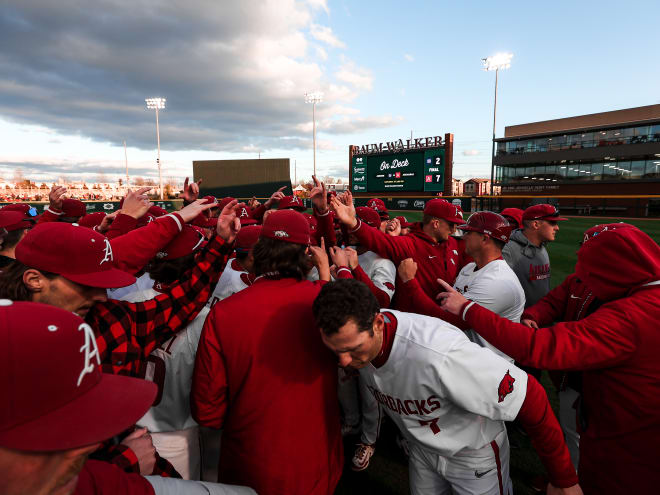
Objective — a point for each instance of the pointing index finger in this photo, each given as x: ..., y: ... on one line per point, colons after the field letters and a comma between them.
x: 446, y: 286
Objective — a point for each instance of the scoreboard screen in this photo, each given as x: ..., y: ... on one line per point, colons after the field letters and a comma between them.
x: 419, y: 170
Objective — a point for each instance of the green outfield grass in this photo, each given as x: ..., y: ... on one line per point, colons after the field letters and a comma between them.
x: 387, y: 473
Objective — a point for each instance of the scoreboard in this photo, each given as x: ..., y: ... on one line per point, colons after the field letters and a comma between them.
x: 418, y: 170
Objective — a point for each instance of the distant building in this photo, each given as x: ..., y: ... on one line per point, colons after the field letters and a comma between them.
x: 476, y: 187
x: 456, y: 187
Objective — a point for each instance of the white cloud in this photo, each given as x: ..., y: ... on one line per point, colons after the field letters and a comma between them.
x: 325, y: 34
x: 321, y: 53
x: 471, y: 152
x: 408, y: 57
x: 359, y: 77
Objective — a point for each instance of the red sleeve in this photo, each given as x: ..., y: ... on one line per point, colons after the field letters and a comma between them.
x: 546, y: 436
x: 208, y: 397
x: 132, y: 251
x: 344, y: 272
x: 602, y: 339
x: 50, y: 215
x: 326, y: 228
x: 118, y: 454
x: 386, y: 246
x: 102, y: 478
x: 413, y: 299
x: 552, y: 306
x: 121, y: 225
x: 382, y: 296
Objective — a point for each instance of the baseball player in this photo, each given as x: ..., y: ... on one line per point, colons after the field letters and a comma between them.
x: 238, y: 274
x: 13, y: 227
x: 429, y: 243
x: 487, y: 280
x: 448, y: 396
x: 514, y: 217
x: 378, y: 205
x: 616, y: 347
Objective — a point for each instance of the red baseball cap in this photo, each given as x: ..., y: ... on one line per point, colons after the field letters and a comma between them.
x: 91, y: 220
x: 244, y: 212
x: 313, y: 223
x: 73, y: 208
x: 187, y: 241
x: 287, y: 226
x: 76, y: 253
x: 55, y: 396
x: 29, y: 212
x: 404, y: 222
x: 156, y: 211
x: 369, y: 216
x: 489, y: 223
x: 516, y: 214
x: 222, y: 203
x: 441, y: 208
x: 247, y: 237
x: 542, y: 212
x: 379, y: 205
x: 291, y: 202
x: 13, y: 220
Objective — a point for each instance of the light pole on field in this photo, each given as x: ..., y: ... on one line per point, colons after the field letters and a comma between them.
x: 314, y: 98
x: 157, y: 104
x: 495, y: 62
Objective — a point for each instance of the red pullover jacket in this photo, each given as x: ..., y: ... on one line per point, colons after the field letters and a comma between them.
x: 617, y: 347
x: 263, y: 374
x: 434, y: 260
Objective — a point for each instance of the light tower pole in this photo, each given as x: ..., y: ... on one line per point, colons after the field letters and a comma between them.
x: 157, y: 104
x: 314, y: 98
x: 495, y: 62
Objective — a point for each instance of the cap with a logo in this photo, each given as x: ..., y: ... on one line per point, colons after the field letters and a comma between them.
x: 291, y: 202
x: 54, y: 394
x: 404, y: 222
x: 92, y: 220
x: 516, y: 214
x: 73, y: 208
x: 441, y: 208
x: 489, y: 223
x: 379, y: 205
x: 288, y: 226
x: 187, y: 241
x: 76, y: 253
x: 247, y: 237
x: 369, y: 216
x: 29, y: 212
x: 542, y: 212
x: 13, y: 220
x: 603, y: 227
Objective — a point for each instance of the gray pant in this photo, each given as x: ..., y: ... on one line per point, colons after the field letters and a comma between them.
x: 174, y: 486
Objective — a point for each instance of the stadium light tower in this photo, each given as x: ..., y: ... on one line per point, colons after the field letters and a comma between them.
x: 157, y: 104
x: 314, y: 98
x: 495, y: 62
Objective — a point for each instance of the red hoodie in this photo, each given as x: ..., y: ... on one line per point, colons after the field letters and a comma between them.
x: 617, y: 347
x: 434, y: 259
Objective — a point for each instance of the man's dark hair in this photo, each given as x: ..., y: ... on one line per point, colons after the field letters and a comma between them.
x: 11, y: 238
x: 273, y: 258
x: 343, y: 300
x: 11, y: 282
x: 169, y: 271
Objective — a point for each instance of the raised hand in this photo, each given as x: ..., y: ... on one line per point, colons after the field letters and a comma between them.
x: 529, y: 323
x: 190, y: 192
x: 136, y: 203
x: 345, y: 213
x: 450, y: 300
x: 276, y: 196
x: 191, y: 211
x: 55, y: 197
x: 319, y: 196
x: 407, y: 270
x: 352, y: 257
x: 338, y: 256
x: 107, y: 220
x: 228, y: 222
x: 320, y: 260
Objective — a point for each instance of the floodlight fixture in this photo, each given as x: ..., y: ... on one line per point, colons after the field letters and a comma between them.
x: 157, y: 103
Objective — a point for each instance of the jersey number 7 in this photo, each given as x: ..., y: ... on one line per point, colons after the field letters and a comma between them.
x: 433, y: 424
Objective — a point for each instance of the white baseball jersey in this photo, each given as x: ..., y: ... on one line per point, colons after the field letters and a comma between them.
x: 381, y: 271
x: 495, y: 287
x: 443, y: 391
x: 234, y: 279
x: 171, y: 367
x: 143, y: 282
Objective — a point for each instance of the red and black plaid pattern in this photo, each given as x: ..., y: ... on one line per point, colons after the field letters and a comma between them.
x: 126, y: 333
x: 124, y: 458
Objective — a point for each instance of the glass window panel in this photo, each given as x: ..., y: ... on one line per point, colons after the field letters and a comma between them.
x: 622, y: 169
x: 637, y: 169
x: 596, y: 171
x: 542, y: 144
x: 642, y: 130
x: 572, y: 172
x: 655, y: 133
x: 587, y: 139
x: 562, y: 171
x: 550, y: 171
x: 609, y: 172
x: 652, y: 168
x: 584, y: 172
x: 529, y: 172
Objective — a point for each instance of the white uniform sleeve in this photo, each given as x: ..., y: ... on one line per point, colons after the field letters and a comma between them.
x: 482, y: 382
x: 384, y: 275
x: 496, y: 294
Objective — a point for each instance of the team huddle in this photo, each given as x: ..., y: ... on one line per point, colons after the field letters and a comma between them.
x: 130, y: 339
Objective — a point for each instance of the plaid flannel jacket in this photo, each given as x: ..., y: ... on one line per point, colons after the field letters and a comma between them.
x: 126, y: 333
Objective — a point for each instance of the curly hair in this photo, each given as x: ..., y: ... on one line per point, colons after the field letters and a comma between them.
x: 343, y: 300
x: 285, y: 259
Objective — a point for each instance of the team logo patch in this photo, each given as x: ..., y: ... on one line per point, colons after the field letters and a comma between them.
x: 505, y: 387
x: 280, y: 233
x: 107, y: 252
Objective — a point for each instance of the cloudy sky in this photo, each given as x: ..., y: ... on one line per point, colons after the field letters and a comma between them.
x: 75, y: 74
